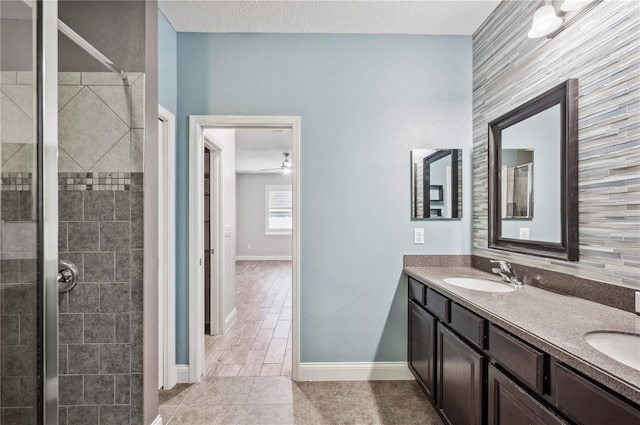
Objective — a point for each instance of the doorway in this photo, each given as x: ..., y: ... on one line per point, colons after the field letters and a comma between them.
x: 198, y: 127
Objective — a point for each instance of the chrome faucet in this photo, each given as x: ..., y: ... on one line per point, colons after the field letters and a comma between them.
x: 506, y: 272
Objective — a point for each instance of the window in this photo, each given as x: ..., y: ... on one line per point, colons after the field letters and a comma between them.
x: 278, y: 210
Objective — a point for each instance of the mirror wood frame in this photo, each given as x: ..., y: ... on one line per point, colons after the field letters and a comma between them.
x: 566, y: 95
x: 456, y: 191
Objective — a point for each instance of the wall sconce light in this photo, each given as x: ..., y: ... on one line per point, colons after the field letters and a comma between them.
x: 547, y: 23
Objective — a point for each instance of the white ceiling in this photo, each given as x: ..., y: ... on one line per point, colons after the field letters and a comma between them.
x: 438, y: 17
x: 258, y: 149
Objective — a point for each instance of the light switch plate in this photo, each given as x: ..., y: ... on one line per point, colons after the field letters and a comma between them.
x: 418, y: 236
x: 524, y: 233
x: 637, y: 301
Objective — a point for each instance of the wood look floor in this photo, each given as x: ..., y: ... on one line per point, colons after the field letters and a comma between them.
x: 247, y: 379
x: 259, y: 342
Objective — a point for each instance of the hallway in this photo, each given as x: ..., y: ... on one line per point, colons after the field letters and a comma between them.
x: 259, y: 342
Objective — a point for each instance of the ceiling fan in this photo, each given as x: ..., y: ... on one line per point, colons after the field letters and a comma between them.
x: 285, y: 167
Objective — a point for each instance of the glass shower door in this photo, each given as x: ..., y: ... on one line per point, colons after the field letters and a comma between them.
x: 28, y: 264
x: 18, y: 216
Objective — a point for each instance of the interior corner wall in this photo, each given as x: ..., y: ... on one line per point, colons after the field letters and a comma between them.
x: 600, y: 50
x: 150, y: 341
x: 251, y: 239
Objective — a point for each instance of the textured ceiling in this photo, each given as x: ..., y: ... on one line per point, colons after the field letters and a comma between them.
x: 455, y: 17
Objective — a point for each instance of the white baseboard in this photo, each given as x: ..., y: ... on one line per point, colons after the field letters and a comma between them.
x: 263, y: 258
x: 230, y: 320
x: 182, y: 373
x: 376, y: 371
x: 157, y: 420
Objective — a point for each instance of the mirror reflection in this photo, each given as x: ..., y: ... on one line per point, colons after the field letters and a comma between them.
x: 517, y: 183
x: 436, y: 184
x: 537, y: 138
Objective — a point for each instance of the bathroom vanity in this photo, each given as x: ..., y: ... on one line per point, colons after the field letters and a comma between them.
x: 516, y: 357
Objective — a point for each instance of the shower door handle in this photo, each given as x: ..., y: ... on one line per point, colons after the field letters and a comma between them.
x: 67, y: 275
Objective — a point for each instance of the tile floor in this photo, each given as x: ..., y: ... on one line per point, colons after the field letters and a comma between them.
x: 247, y: 379
x: 259, y: 342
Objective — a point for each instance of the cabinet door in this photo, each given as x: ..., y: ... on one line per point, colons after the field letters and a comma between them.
x: 460, y: 377
x: 509, y: 404
x: 422, y: 348
x: 588, y: 404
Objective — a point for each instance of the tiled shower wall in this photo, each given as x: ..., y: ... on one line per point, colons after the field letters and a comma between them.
x: 101, y: 120
x: 600, y: 49
x: 100, y: 230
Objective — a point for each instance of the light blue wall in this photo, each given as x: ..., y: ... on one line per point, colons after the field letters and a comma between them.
x: 167, y: 64
x: 364, y: 102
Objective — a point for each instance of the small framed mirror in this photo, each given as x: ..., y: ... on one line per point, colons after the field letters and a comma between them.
x: 533, y: 176
x: 436, y: 184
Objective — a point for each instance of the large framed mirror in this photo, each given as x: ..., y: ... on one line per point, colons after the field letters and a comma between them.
x: 436, y: 184
x: 533, y: 176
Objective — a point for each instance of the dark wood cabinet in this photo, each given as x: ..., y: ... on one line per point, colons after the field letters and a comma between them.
x: 508, y: 404
x: 477, y: 373
x: 587, y: 403
x: 460, y: 374
x: 422, y: 348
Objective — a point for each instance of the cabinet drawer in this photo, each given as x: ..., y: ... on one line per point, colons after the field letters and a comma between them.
x: 417, y: 291
x: 467, y: 324
x: 438, y: 305
x: 519, y: 358
x: 587, y: 403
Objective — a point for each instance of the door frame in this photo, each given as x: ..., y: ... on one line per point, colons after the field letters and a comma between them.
x: 197, y: 125
x: 167, y: 246
x: 216, y: 318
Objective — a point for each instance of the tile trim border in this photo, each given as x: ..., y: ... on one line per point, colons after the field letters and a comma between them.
x: 355, y: 371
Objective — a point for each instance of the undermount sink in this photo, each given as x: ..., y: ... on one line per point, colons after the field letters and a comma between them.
x: 479, y: 284
x: 624, y: 348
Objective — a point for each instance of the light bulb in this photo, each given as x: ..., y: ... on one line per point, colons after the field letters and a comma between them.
x: 545, y: 22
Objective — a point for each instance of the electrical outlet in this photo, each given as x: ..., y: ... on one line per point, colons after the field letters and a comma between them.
x: 418, y: 236
x: 524, y: 233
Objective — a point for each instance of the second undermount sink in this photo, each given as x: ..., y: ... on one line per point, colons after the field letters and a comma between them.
x: 479, y: 284
x: 622, y: 347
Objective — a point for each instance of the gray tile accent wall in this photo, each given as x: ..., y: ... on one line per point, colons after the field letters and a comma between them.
x: 101, y: 120
x: 101, y: 318
x: 101, y: 125
x: 600, y: 49
x: 100, y: 229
